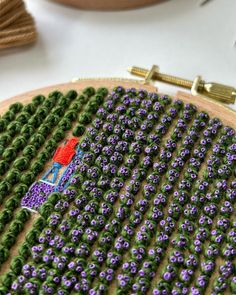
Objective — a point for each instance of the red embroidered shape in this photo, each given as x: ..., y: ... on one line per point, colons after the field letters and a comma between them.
x: 64, y: 155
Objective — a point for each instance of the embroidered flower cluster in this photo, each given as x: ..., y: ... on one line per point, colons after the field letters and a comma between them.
x: 150, y: 207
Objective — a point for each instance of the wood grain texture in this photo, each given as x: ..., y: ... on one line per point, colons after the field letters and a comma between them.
x: 108, y: 4
x: 214, y: 109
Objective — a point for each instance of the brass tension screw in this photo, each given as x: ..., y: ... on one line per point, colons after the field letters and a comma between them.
x: 216, y: 91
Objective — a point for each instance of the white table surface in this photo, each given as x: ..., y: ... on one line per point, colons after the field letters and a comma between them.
x: 181, y: 37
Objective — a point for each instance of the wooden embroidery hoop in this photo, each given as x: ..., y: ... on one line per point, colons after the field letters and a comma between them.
x: 214, y: 109
x: 108, y: 4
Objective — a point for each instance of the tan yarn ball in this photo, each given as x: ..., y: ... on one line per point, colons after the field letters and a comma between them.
x: 17, y: 26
